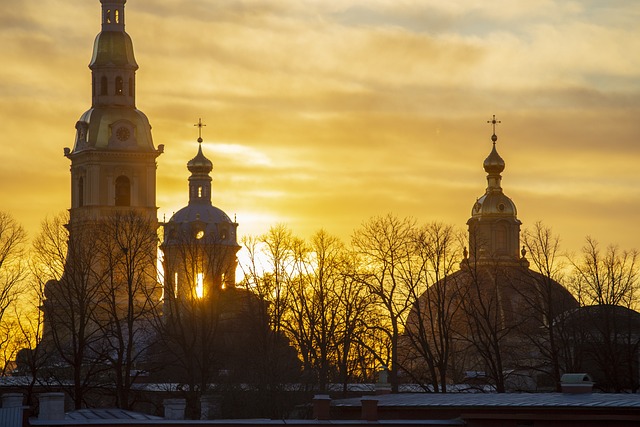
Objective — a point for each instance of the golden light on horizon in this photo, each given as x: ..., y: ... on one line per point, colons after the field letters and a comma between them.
x: 323, y: 114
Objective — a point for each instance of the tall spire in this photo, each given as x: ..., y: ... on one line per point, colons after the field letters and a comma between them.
x: 113, y: 63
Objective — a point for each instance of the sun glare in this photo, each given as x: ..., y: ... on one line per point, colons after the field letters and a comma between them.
x: 199, y: 286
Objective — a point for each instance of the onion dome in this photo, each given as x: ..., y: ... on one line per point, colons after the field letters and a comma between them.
x: 200, y: 164
x: 494, y: 164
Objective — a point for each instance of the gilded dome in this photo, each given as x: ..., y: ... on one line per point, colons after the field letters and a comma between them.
x: 200, y: 164
x: 493, y: 164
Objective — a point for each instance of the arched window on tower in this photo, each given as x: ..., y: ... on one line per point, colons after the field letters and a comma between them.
x: 123, y: 191
x: 130, y: 86
x: 80, y: 192
x: 119, y: 86
x: 104, y: 84
x: 117, y: 16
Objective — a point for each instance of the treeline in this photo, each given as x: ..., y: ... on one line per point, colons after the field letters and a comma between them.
x: 393, y: 298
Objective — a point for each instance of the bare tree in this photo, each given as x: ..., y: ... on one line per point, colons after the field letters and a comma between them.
x: 606, y: 327
x: 547, y: 302
x: 429, y: 327
x: 72, y: 299
x: 355, y: 316
x: 129, y: 295
x: 12, y: 274
x: 32, y: 356
x: 611, y: 277
x: 201, y: 321
x: 390, y: 270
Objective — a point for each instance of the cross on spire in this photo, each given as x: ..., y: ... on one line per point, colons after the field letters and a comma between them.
x: 200, y: 125
x: 494, y: 122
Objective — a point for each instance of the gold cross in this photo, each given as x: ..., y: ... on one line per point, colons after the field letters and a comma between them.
x: 200, y: 125
x: 493, y: 123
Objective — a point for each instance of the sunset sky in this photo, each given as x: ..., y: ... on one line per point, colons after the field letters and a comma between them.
x: 321, y: 114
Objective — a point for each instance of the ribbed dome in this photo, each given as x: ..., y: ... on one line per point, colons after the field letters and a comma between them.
x: 200, y: 164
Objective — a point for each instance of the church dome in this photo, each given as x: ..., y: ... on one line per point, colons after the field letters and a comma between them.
x: 494, y: 164
x: 200, y: 164
x: 204, y: 221
x: 494, y: 204
x: 113, y: 128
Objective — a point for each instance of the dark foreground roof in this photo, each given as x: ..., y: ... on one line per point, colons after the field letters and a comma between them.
x: 500, y: 400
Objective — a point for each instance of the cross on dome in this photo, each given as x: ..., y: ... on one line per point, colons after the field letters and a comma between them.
x: 200, y: 125
x: 494, y: 122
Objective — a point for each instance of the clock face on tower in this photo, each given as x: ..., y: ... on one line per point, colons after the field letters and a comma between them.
x: 123, y: 133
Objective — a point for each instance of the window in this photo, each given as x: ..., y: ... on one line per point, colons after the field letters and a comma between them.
x: 107, y: 16
x: 117, y: 15
x: 104, y: 84
x: 118, y: 85
x: 199, y: 285
x: 123, y: 191
x: 199, y: 191
x: 80, y: 192
x: 130, y: 86
x: 175, y: 285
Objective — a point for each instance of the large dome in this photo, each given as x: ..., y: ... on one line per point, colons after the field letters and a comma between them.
x: 203, y: 221
x: 519, y: 294
x: 113, y: 128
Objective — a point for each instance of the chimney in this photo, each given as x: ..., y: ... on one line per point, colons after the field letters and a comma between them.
x: 576, y: 383
x: 12, y: 400
x: 383, y: 386
x: 321, y: 407
x: 369, y: 408
x: 51, y: 406
x: 174, y: 408
x: 209, y: 407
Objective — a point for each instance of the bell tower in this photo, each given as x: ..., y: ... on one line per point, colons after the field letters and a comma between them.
x: 494, y: 227
x: 113, y: 159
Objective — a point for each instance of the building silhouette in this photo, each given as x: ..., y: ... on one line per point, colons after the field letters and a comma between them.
x: 488, y: 322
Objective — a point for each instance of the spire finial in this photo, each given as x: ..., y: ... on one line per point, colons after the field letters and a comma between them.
x: 200, y: 125
x: 494, y: 122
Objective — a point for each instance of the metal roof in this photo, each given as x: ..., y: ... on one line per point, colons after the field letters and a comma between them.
x: 496, y: 400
